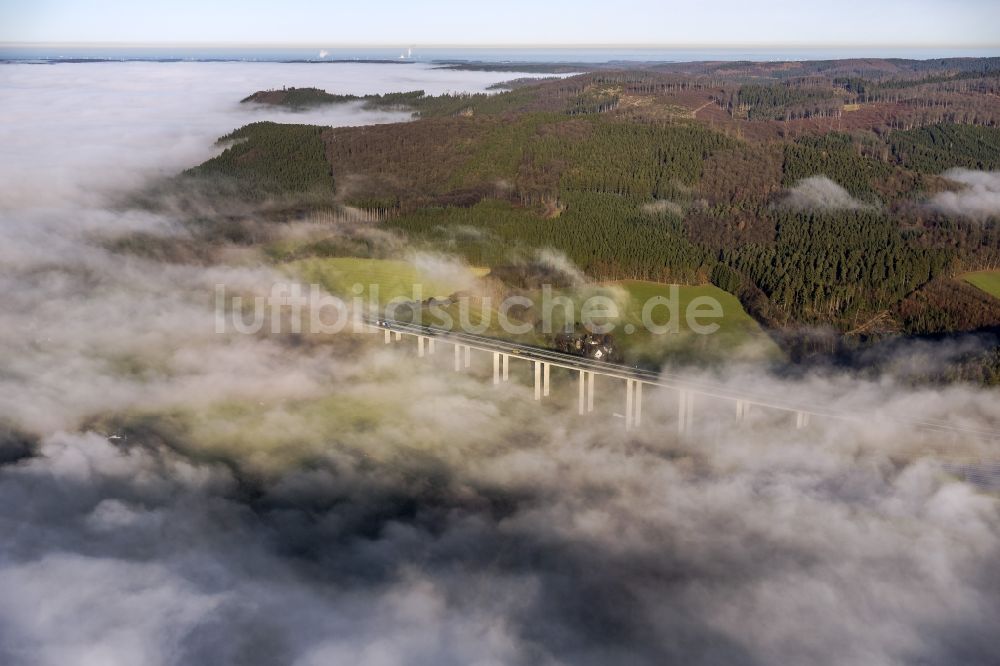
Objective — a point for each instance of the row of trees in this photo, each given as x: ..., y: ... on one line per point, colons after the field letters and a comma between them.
x: 871, y: 90
x: 777, y: 102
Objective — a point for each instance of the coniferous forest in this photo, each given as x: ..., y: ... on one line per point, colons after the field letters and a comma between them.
x: 813, y: 198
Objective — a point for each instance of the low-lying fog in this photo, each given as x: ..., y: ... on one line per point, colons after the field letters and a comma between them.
x: 337, y: 503
x: 112, y: 124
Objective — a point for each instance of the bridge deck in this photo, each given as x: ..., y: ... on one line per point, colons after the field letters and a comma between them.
x: 665, y: 380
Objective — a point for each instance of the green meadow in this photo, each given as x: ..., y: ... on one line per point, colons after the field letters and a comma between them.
x: 988, y: 281
x: 385, y: 278
x: 735, y: 334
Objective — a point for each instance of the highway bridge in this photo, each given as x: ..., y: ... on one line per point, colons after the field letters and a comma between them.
x: 689, y: 390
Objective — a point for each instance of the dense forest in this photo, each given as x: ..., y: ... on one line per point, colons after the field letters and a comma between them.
x: 797, y: 188
x: 267, y: 159
x: 937, y: 148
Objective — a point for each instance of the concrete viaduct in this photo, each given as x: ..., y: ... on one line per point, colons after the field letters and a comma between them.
x: 689, y: 391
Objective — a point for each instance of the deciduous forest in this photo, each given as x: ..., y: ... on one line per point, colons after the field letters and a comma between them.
x: 809, y: 191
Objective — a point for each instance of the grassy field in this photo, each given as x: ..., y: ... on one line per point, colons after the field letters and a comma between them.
x: 389, y: 278
x: 988, y: 281
x: 737, y: 336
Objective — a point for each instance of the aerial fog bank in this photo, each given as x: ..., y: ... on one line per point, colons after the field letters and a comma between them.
x: 171, y: 495
x: 103, y: 125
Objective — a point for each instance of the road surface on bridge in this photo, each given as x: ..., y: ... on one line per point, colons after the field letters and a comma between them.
x: 665, y: 380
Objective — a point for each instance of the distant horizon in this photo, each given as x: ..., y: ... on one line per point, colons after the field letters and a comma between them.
x: 417, y: 53
x: 810, y: 45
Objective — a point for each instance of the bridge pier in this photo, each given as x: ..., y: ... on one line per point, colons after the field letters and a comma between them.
x: 590, y: 391
x: 430, y: 346
x: 586, y: 392
x: 629, y: 400
x: 505, y: 359
x: 637, y: 419
x: 458, y: 358
x: 633, y: 403
x: 496, y: 368
x: 801, y: 420
x: 420, y: 346
x: 388, y: 336
x: 742, y: 409
x: 399, y: 336
x: 543, y: 373
x: 685, y: 411
x: 468, y: 356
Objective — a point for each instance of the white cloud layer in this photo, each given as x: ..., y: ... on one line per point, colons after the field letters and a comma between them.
x: 278, y: 501
x: 821, y: 193
x: 979, y: 197
x: 72, y: 313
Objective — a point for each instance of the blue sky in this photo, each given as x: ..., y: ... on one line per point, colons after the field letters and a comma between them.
x: 509, y: 22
